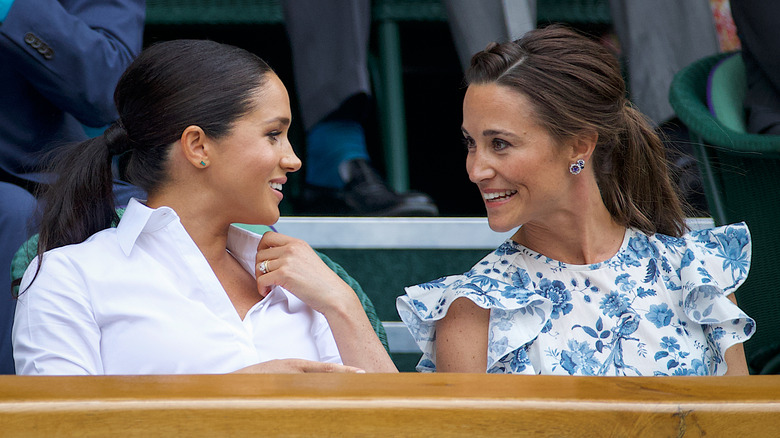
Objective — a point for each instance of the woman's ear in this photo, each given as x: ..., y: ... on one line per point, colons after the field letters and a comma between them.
x: 194, y: 146
x: 583, y: 145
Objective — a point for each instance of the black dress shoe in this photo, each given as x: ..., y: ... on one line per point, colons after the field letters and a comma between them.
x: 364, y: 194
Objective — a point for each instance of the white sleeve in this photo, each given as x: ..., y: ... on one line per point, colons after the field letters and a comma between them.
x: 55, y: 331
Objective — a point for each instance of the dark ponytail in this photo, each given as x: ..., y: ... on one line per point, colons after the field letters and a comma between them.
x: 170, y: 86
x: 634, y: 178
x: 575, y: 86
x: 81, y: 201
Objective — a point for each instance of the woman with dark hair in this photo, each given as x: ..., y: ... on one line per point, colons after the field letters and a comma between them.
x: 175, y: 288
x: 602, y: 277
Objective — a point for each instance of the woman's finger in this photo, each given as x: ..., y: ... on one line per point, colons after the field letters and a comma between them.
x: 327, y: 367
x: 297, y: 366
x: 272, y: 239
x: 263, y: 267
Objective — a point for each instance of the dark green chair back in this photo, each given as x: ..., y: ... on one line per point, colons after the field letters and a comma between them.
x: 741, y: 174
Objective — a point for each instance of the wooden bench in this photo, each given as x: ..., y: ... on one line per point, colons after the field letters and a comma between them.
x: 388, y: 405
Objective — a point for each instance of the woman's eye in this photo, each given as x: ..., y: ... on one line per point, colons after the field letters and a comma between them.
x: 274, y: 135
x: 469, y: 143
x: 499, y: 144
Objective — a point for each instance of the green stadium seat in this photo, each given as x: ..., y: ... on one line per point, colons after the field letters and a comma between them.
x: 741, y: 174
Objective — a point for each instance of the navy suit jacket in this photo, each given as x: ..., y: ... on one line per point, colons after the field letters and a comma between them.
x: 60, y: 61
x: 59, y: 64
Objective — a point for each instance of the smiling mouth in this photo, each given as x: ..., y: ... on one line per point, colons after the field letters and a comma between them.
x: 498, y: 196
x: 276, y: 186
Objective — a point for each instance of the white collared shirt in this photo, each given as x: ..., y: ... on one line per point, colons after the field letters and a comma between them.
x: 142, y: 299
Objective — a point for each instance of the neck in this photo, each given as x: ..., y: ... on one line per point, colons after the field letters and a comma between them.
x: 205, y: 228
x: 581, y: 236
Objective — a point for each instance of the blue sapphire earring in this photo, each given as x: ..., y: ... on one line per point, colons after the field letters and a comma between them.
x: 577, y: 167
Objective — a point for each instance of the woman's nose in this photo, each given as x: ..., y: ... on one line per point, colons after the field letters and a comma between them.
x: 290, y: 161
x: 478, y: 167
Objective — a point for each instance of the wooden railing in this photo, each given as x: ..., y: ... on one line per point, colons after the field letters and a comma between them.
x: 388, y: 405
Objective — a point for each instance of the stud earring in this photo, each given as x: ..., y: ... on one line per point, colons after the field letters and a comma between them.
x: 203, y: 163
x: 577, y: 167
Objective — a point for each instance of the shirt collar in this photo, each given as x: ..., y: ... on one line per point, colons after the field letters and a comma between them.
x: 139, y: 218
x: 243, y: 245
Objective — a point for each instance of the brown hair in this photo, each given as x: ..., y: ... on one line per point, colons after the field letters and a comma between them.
x: 575, y: 85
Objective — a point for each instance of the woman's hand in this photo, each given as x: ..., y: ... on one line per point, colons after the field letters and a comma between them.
x: 296, y: 366
x: 292, y: 264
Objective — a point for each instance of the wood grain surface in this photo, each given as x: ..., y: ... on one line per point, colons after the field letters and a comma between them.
x: 388, y: 405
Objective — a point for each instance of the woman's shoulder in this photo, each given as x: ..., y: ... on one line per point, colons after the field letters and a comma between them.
x: 718, y: 257
x: 494, y: 265
x: 97, y: 250
x: 499, y: 280
x: 99, y: 245
x: 719, y: 243
x: 709, y: 240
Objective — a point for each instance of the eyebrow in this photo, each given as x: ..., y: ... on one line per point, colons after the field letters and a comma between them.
x: 491, y: 132
x: 283, y: 120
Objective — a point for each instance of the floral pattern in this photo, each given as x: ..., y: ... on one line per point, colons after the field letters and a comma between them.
x: 658, y: 307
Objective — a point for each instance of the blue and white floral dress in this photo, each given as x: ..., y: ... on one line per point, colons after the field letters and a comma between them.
x: 658, y: 307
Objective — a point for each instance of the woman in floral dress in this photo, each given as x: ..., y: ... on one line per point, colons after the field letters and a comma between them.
x: 602, y: 277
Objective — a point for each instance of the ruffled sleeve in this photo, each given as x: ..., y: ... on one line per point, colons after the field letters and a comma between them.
x: 517, y: 313
x: 715, y: 262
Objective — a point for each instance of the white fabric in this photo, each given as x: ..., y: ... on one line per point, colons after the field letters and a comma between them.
x: 142, y: 299
x: 658, y: 307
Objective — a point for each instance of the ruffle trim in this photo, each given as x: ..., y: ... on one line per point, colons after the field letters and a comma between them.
x: 506, y: 290
x: 705, y: 297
